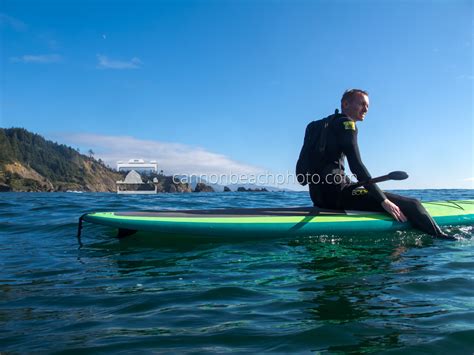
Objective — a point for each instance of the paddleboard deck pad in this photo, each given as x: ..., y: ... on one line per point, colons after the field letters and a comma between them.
x: 269, y: 222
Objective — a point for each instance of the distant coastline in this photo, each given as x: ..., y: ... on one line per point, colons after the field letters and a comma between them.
x: 30, y: 163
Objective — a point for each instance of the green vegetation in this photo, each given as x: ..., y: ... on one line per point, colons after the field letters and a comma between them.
x: 28, y: 162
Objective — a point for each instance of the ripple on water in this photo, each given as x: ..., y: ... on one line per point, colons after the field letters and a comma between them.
x: 392, y: 292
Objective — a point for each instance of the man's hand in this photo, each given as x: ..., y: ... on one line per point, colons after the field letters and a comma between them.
x: 393, y: 210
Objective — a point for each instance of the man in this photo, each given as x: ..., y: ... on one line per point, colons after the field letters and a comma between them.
x: 333, y: 189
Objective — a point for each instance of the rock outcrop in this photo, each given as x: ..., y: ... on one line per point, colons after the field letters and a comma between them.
x: 243, y: 189
x: 202, y: 187
x: 167, y: 184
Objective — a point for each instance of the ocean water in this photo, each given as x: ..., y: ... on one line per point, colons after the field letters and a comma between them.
x: 397, y: 292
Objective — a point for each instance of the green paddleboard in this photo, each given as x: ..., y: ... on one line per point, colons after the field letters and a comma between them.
x: 271, y: 222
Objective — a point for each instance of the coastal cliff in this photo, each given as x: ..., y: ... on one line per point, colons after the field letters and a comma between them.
x: 28, y: 162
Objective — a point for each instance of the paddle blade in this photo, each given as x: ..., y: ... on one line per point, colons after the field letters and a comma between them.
x: 398, y: 175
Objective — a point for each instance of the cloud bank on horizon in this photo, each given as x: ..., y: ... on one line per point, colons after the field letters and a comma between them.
x: 181, y: 159
x: 173, y: 158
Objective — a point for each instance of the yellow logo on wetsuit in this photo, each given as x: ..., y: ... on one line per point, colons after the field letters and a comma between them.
x: 357, y: 192
x: 350, y: 125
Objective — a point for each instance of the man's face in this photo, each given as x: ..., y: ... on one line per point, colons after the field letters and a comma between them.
x: 357, y: 108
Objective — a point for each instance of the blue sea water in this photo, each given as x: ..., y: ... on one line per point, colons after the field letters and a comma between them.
x: 397, y: 292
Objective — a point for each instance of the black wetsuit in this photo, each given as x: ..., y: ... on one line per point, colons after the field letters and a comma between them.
x: 332, y: 187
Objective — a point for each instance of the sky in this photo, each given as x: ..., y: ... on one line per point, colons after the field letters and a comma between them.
x: 227, y: 87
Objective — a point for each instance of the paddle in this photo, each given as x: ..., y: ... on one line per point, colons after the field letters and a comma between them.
x: 394, y: 175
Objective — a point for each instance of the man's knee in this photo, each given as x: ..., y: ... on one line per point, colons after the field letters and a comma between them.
x: 419, y: 206
x: 405, y: 202
x: 414, y: 204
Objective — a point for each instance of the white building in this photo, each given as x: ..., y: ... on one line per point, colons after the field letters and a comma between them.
x: 137, y: 165
x: 133, y: 183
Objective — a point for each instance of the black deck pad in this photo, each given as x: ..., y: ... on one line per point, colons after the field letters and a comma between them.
x: 235, y: 212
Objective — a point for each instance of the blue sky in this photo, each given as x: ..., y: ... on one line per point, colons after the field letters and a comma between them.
x: 217, y: 86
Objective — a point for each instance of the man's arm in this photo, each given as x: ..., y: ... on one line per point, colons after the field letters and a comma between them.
x: 348, y: 138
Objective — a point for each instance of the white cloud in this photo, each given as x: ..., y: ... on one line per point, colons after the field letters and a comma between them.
x: 173, y: 158
x: 12, y: 22
x: 41, y: 59
x: 106, y: 63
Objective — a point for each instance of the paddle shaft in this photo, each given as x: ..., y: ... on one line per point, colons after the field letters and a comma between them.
x: 389, y: 176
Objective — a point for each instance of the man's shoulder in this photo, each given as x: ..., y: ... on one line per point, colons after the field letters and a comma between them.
x: 339, y: 118
x: 344, y: 123
x: 338, y: 121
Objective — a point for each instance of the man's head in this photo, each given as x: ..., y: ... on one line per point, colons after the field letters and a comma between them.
x: 355, y: 104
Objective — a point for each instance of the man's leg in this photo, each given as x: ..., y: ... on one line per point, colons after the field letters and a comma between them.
x: 359, y: 199
x: 325, y: 196
x: 416, y: 214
